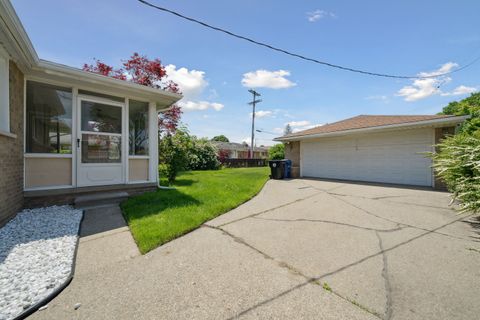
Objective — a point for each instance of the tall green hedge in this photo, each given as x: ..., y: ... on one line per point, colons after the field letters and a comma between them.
x: 458, y: 163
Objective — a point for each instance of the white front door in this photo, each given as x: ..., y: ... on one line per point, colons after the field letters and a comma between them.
x: 100, y: 159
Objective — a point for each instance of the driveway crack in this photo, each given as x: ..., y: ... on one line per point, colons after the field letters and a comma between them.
x: 399, y: 227
x: 282, y: 264
x: 264, y: 254
x: 435, y: 231
x: 388, y: 287
x: 269, y: 210
x: 319, y: 278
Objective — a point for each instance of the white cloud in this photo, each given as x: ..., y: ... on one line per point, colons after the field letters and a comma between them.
x: 262, y: 113
x: 319, y: 14
x: 298, y: 123
x: 192, y: 84
x: 460, y: 90
x: 200, y: 105
x: 279, y: 130
x: 424, y: 88
x: 267, y: 79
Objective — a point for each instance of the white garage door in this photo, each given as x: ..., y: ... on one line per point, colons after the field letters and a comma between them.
x: 391, y: 157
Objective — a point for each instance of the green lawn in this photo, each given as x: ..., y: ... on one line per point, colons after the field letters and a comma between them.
x: 158, y: 217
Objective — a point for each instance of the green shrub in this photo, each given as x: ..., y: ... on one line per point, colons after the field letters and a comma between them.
x: 457, y: 162
x: 203, y: 155
x: 164, y: 172
x: 276, y: 152
x: 173, y: 152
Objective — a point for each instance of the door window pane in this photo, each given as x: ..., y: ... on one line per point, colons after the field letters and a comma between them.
x: 99, y: 117
x: 48, y: 119
x: 101, y: 149
x: 138, y: 127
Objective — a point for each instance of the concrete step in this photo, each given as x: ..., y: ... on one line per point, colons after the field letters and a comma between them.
x: 101, y: 199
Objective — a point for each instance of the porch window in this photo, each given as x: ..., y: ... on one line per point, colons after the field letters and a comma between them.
x: 138, y: 128
x: 48, y: 119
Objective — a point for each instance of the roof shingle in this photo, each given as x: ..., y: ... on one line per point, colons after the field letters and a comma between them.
x: 365, y: 121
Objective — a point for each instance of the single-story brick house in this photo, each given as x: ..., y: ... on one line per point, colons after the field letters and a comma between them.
x: 372, y: 148
x: 241, y: 150
x: 64, y: 131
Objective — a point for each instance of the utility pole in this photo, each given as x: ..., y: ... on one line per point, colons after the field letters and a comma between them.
x: 253, y: 103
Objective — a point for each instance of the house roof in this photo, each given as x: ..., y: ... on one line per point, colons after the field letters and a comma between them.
x: 237, y: 146
x: 372, y: 122
x: 16, y: 42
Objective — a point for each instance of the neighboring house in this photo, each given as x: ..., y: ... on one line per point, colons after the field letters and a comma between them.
x: 241, y: 150
x: 64, y: 131
x: 386, y: 149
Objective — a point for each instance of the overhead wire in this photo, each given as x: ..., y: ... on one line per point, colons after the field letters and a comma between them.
x: 303, y: 57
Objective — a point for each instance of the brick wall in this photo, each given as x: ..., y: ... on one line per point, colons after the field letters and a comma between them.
x: 292, y: 152
x: 11, y: 152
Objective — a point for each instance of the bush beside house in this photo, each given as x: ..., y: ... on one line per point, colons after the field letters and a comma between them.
x: 181, y: 151
x: 203, y: 155
x: 457, y: 160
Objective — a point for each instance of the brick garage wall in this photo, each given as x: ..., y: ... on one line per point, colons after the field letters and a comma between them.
x: 292, y: 152
x: 11, y: 151
x: 441, y: 133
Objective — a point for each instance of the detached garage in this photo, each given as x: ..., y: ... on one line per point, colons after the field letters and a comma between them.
x: 386, y: 149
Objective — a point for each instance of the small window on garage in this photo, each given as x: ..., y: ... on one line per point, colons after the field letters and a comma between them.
x: 4, y: 93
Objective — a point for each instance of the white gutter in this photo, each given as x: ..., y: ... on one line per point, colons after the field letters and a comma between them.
x: 434, y: 122
x: 63, y: 70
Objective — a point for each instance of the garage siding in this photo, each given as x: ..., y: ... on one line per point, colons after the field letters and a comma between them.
x: 389, y: 157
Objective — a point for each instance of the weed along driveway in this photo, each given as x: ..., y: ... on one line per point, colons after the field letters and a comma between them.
x: 301, y: 249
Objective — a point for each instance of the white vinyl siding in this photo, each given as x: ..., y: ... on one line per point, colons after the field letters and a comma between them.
x: 390, y: 157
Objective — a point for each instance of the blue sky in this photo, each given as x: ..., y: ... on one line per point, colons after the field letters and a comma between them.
x: 215, y: 71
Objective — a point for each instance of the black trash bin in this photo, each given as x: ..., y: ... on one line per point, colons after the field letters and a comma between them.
x: 277, y: 169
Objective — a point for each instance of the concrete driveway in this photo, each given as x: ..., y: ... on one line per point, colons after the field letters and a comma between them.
x: 301, y: 249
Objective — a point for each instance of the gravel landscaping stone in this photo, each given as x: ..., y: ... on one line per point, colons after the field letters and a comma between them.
x: 37, y: 249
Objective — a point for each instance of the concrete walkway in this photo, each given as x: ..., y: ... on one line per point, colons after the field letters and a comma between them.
x: 301, y: 249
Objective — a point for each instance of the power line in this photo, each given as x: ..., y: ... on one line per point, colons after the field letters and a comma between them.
x: 293, y: 54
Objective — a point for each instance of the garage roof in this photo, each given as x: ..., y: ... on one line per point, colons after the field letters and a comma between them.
x: 365, y: 122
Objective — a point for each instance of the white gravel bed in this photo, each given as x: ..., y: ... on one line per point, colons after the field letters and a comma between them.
x: 37, y: 249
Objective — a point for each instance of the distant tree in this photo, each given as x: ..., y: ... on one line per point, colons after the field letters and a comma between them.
x: 288, y: 129
x: 220, y: 138
x: 276, y: 152
x: 151, y: 73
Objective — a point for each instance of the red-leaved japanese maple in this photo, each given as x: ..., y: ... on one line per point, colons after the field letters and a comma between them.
x: 151, y: 73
